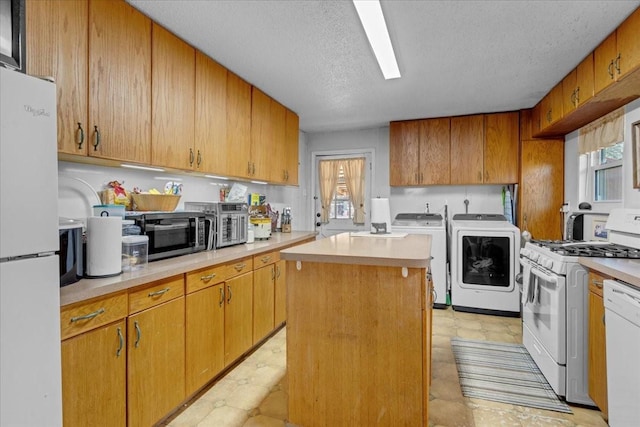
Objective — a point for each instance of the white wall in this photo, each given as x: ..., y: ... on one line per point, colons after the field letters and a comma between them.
x: 631, y: 196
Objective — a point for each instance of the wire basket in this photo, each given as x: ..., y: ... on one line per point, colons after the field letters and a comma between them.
x: 155, y: 202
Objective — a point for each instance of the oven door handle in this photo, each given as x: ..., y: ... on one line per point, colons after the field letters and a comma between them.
x: 544, y: 276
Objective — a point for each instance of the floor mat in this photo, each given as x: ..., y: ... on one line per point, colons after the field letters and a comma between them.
x: 503, y: 372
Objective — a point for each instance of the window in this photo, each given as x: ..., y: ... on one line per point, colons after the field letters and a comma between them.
x: 341, y: 206
x: 604, y: 173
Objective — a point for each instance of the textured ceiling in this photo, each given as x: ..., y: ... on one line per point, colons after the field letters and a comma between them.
x: 455, y: 57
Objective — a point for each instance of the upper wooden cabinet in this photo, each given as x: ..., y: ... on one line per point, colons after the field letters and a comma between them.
x: 578, y: 86
x: 551, y: 107
x: 419, y: 152
x: 501, y: 148
x: 618, y: 54
x: 467, y: 139
x: 119, y: 82
x: 57, y: 46
x: 291, y: 138
x: 173, y: 90
x: 237, y: 150
x: 211, y: 116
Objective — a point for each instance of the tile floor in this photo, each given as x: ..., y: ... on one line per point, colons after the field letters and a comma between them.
x: 254, y: 393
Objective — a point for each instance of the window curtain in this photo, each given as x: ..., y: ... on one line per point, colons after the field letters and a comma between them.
x: 602, y: 133
x: 354, y: 179
x: 328, y: 178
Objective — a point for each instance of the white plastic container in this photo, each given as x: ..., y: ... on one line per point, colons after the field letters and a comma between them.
x: 108, y: 210
x: 135, y: 252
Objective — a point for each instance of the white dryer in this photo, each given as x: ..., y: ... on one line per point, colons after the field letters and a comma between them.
x: 433, y: 224
x: 485, y: 251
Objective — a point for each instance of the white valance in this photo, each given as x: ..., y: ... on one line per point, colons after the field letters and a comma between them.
x: 602, y: 133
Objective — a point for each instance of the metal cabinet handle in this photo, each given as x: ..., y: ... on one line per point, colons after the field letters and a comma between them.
x: 138, y: 334
x: 253, y: 168
x: 221, y: 302
x: 617, y: 63
x: 277, y: 271
x: 598, y: 283
x: 160, y: 292
x: 88, y: 316
x: 273, y: 273
x: 248, y: 168
x: 121, y: 342
x: 610, y: 69
x: 96, y: 140
x: 80, y: 136
x: 230, y: 295
x: 208, y: 277
x: 266, y: 259
x: 240, y: 267
x: 199, y: 159
x: 191, y: 156
x: 577, y: 95
x: 603, y: 321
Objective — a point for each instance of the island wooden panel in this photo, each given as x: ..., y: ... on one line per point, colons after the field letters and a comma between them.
x: 356, y: 345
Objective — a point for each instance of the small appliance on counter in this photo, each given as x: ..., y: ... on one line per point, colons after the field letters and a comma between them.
x: 171, y: 233
x: 285, y: 222
x: 134, y: 252
x: 104, y: 246
x: 226, y: 222
x: 261, y: 228
x: 70, y: 254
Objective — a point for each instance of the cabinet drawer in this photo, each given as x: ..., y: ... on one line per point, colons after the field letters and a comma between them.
x: 85, y: 316
x: 595, y: 282
x: 206, y: 277
x: 266, y: 258
x: 155, y: 293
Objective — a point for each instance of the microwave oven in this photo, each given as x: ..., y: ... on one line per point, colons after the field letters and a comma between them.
x: 227, y: 222
x: 171, y: 233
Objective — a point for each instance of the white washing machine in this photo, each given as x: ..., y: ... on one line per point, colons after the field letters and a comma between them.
x: 485, y: 251
x: 429, y: 223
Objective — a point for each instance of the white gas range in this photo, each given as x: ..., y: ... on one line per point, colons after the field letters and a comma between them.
x: 555, y: 303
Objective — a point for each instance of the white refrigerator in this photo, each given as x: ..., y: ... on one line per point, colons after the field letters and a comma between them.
x: 30, y: 371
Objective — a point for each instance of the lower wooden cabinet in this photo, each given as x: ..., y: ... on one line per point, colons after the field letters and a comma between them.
x: 263, y: 301
x: 156, y: 362
x: 204, y: 336
x: 597, y: 343
x: 280, y: 297
x: 238, y: 317
x: 94, y: 377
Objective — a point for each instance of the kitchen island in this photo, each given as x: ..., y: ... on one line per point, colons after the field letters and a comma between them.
x: 359, y: 331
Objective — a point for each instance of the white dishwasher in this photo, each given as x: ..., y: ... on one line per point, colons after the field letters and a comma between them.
x: 622, y: 317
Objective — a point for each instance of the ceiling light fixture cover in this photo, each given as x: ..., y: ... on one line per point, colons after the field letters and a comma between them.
x: 372, y: 19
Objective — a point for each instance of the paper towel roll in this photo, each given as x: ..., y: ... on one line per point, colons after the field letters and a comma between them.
x: 380, y: 216
x: 104, y: 246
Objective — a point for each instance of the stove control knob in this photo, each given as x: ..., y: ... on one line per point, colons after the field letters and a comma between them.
x: 525, y: 252
x: 547, y: 263
x: 535, y: 256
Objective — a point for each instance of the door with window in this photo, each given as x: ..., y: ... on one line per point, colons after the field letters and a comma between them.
x: 342, y: 192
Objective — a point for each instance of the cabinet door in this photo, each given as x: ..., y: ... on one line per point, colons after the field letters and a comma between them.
x: 280, y: 308
x: 467, y: 140
x: 435, y: 160
x: 238, y: 317
x: 584, y: 80
x: 173, y: 91
x: 292, y: 134
x: 156, y: 362
x: 627, y: 37
x: 501, y: 148
x: 94, y: 390
x: 273, y: 157
x: 404, y: 146
x: 237, y: 150
x: 261, y: 134
x: 57, y: 46
x: 263, y: 301
x: 120, y: 82
x: 542, y: 187
x: 204, y: 336
x: 603, y: 62
x: 211, y: 115
x: 569, y: 92
x: 597, y: 352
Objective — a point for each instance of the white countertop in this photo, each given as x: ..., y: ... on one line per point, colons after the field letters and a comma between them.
x: 626, y: 270
x: 156, y: 270
x: 412, y: 250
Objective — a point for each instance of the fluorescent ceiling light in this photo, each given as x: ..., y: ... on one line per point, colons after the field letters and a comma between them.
x: 372, y: 19
x: 216, y: 177
x: 259, y: 182
x: 144, y: 168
